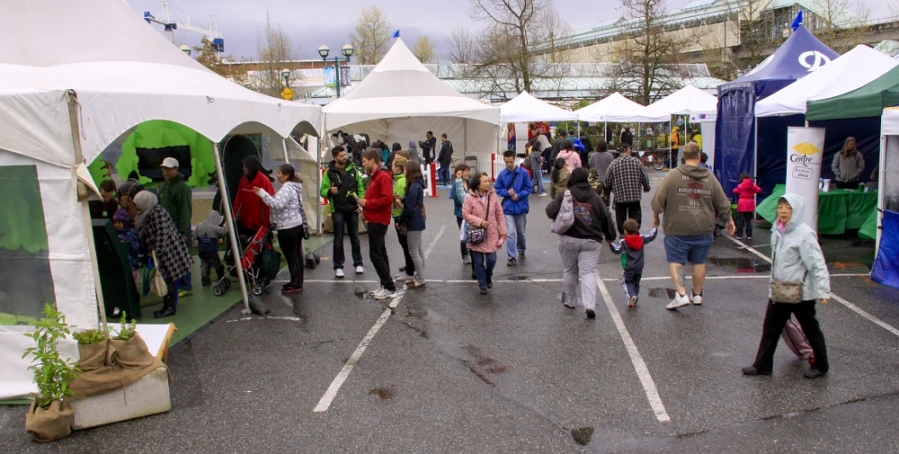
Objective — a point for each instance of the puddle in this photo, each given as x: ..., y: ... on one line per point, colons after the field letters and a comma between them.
x: 382, y: 393
x: 664, y: 293
x: 362, y: 295
x: 582, y: 435
x: 742, y: 265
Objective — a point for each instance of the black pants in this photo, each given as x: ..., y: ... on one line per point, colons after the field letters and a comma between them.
x: 291, y: 241
x: 631, y: 210
x: 377, y: 234
x: 745, y: 226
x: 776, y: 318
x: 208, y: 261
x: 847, y: 185
x: 630, y: 281
x: 404, y: 243
x: 349, y: 220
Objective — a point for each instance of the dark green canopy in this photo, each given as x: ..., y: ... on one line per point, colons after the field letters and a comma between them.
x: 866, y: 101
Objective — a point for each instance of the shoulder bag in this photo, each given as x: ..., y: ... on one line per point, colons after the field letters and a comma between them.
x: 785, y: 291
x: 477, y: 235
x: 307, y: 232
x: 157, y: 283
x: 565, y: 219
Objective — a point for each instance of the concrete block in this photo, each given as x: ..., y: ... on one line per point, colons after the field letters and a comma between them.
x: 145, y: 397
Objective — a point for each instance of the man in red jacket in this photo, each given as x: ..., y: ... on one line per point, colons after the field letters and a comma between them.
x: 376, y: 208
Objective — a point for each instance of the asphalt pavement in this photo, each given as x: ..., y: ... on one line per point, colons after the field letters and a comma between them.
x: 449, y: 370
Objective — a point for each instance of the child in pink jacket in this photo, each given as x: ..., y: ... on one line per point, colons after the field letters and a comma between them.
x: 747, y: 189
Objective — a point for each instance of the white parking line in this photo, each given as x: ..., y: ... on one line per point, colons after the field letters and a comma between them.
x: 850, y: 306
x: 649, y: 386
x: 544, y: 281
x: 344, y: 373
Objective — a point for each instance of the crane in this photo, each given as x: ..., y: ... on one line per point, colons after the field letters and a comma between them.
x: 211, y: 33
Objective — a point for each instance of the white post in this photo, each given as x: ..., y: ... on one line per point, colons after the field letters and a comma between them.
x: 72, y: 100
x: 232, y: 235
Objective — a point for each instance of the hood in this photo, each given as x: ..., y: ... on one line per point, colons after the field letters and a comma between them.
x: 412, y: 145
x: 798, y: 203
x: 565, y: 153
x: 694, y: 172
x: 215, y: 218
x: 634, y: 242
x: 582, y: 192
x: 746, y: 184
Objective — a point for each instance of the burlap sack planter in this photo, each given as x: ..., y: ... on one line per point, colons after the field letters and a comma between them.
x: 111, y: 365
x: 51, y: 423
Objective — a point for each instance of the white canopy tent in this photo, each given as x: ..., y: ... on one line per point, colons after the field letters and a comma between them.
x: 80, y: 75
x: 525, y: 108
x: 618, y: 109
x: 686, y: 101
x: 400, y: 100
x: 851, y: 70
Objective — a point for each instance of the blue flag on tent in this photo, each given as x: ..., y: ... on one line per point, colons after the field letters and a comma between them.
x: 396, y: 34
x: 797, y: 21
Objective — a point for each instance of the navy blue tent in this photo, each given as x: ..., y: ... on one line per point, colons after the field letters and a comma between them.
x: 735, y: 128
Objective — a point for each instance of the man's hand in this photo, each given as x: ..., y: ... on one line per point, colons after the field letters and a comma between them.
x: 358, y: 209
x: 512, y: 193
x: 655, y: 220
x: 823, y: 300
x: 333, y: 189
x: 731, y: 227
x: 361, y: 202
x: 515, y: 197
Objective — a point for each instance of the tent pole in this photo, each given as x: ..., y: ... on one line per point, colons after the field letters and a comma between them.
x: 284, y: 149
x: 72, y: 101
x: 670, y: 145
x: 319, y: 230
x: 881, y: 173
x: 232, y: 235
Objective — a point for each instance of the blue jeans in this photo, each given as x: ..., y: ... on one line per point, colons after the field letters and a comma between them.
x: 443, y: 174
x: 483, y: 267
x: 516, y: 243
x: 349, y: 220
x: 538, y: 181
x: 694, y: 249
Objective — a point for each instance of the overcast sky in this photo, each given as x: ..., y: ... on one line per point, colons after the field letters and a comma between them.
x: 313, y: 23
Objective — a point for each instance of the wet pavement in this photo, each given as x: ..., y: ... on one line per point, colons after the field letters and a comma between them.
x: 449, y: 370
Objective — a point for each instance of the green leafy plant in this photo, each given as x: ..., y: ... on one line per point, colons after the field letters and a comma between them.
x: 89, y: 336
x: 52, y: 373
x: 126, y: 330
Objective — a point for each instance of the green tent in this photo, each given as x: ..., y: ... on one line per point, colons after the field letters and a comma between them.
x: 866, y: 101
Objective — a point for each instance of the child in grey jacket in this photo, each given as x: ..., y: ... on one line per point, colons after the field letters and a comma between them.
x: 632, y: 258
x: 208, y: 234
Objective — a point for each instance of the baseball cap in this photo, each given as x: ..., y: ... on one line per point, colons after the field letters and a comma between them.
x: 169, y: 163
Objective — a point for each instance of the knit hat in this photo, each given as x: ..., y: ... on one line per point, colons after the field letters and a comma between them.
x: 121, y: 215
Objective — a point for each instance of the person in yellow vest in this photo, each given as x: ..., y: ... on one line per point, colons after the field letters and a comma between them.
x: 675, y: 145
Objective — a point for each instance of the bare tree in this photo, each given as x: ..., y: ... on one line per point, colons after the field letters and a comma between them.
x: 371, y: 36
x: 424, y: 49
x: 841, y: 25
x: 893, y: 6
x: 649, y: 57
x: 274, y: 49
x: 461, y: 46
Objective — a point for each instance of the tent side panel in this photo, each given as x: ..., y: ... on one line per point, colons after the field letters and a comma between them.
x: 734, y: 145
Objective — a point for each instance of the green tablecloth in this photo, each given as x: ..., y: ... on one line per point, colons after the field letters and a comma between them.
x: 869, y: 228
x: 838, y: 210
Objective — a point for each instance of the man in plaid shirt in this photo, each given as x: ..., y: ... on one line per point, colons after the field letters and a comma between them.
x: 627, y: 179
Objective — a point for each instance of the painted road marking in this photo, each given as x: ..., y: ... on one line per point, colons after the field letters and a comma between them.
x: 543, y: 281
x: 649, y: 386
x: 834, y: 296
x: 344, y: 373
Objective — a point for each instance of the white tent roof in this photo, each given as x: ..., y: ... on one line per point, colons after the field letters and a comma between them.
x: 890, y: 121
x: 687, y: 100
x: 526, y: 108
x: 399, y: 87
x: 851, y: 70
x: 124, y: 73
x: 618, y: 109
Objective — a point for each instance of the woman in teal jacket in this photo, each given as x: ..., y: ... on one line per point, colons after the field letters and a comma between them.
x: 797, y: 257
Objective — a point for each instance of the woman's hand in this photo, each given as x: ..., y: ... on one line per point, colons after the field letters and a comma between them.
x: 823, y: 300
x: 259, y: 192
x: 485, y: 224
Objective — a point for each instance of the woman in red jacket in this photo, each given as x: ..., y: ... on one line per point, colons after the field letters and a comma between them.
x: 249, y: 210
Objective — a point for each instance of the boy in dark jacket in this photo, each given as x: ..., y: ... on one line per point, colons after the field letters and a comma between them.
x: 631, y: 251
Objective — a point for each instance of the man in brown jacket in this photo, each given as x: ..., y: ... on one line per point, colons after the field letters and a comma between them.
x: 693, y: 203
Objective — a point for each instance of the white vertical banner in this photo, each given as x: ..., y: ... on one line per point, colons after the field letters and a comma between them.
x: 805, y: 152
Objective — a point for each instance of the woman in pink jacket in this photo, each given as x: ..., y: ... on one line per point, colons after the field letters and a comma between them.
x: 481, y: 209
x: 570, y: 155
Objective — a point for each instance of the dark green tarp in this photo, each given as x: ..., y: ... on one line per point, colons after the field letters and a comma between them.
x: 866, y: 101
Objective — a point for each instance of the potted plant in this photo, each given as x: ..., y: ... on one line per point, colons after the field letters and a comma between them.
x: 93, y: 347
x: 127, y: 348
x: 50, y: 416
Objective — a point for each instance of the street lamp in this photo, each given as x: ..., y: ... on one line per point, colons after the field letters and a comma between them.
x: 285, y: 73
x: 347, y: 51
x: 185, y: 48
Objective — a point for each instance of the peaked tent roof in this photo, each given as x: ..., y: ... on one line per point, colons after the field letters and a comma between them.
x: 400, y: 86
x: 866, y: 101
x: 617, y: 109
x: 124, y: 73
x: 840, y: 76
x: 798, y: 56
x: 685, y: 101
x: 526, y: 108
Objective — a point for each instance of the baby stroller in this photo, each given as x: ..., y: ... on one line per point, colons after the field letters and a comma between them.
x: 257, y: 277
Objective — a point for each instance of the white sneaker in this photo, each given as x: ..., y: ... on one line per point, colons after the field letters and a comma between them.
x: 542, y: 194
x: 376, y: 291
x: 678, y: 301
x: 402, y: 277
x: 384, y: 294
x: 697, y: 300
x: 359, y: 269
x: 466, y: 260
x: 338, y: 272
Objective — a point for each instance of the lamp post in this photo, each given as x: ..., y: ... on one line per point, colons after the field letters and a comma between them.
x: 347, y: 51
x: 185, y: 48
x: 285, y: 73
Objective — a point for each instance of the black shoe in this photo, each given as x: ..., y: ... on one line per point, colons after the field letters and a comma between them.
x: 207, y: 283
x: 751, y: 370
x: 814, y: 372
x: 474, y: 276
x: 402, y: 269
x: 512, y: 262
x: 489, y: 284
x: 590, y: 313
x: 484, y: 291
x: 165, y: 312
x: 521, y: 255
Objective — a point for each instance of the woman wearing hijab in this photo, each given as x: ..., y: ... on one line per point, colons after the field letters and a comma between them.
x: 157, y: 233
x: 414, y: 155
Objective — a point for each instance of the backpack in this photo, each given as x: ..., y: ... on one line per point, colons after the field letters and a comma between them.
x: 565, y: 219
